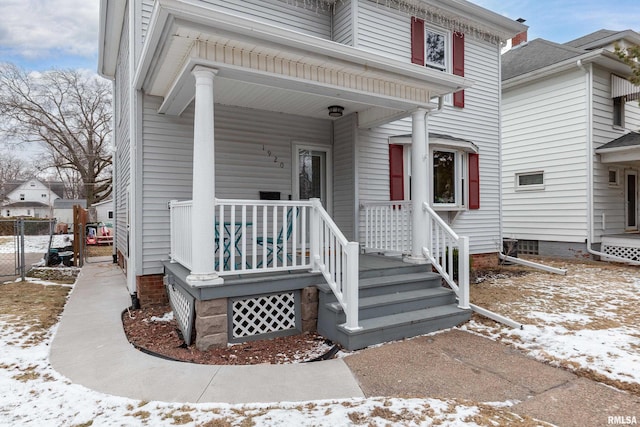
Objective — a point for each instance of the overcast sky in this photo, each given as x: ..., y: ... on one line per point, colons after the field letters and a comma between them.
x: 41, y: 34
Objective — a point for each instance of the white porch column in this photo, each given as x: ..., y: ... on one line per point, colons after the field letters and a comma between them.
x: 203, y: 210
x: 420, y: 184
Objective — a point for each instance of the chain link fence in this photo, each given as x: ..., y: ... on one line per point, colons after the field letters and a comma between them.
x: 23, y: 242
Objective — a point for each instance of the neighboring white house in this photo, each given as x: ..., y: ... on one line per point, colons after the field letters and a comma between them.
x: 570, y: 153
x: 384, y: 111
x: 32, y: 198
x: 104, y: 212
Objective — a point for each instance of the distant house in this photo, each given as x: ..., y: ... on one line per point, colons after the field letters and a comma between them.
x: 104, y: 212
x: 63, y: 209
x: 571, y: 151
x: 33, y: 198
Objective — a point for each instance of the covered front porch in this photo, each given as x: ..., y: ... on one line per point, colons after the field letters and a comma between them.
x: 247, y: 89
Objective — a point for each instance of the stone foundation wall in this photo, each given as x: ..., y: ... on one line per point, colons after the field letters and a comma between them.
x: 151, y: 290
x: 309, y: 308
x: 211, y: 323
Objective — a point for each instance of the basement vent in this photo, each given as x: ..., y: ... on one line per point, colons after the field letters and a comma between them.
x: 263, y: 315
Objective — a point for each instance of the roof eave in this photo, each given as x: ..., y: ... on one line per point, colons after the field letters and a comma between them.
x: 110, y: 32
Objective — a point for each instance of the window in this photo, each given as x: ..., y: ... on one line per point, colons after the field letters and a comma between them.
x: 456, y: 179
x: 28, y: 211
x: 21, y: 196
x: 613, y: 178
x: 618, y: 111
x: 445, y: 170
x: 43, y: 195
x: 32, y: 184
x: 110, y: 214
x: 8, y: 212
x: 435, y: 49
x: 530, y: 181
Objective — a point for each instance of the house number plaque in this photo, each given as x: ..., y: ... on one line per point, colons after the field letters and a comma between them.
x: 273, y: 156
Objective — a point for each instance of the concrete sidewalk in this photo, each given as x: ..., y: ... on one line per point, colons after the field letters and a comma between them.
x: 91, y: 349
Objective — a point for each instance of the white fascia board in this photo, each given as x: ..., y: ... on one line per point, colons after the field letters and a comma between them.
x: 620, y: 155
x: 110, y: 32
x: 213, y: 20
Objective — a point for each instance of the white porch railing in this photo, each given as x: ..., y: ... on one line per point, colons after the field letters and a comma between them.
x: 387, y: 226
x: 259, y: 236
x: 449, y: 254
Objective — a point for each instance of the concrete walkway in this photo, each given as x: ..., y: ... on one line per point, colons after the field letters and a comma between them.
x: 90, y: 348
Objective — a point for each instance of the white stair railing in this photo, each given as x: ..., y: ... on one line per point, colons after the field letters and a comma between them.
x: 449, y: 255
x: 387, y: 226
x: 337, y: 259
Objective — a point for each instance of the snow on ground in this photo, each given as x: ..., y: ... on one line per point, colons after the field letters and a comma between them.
x: 586, y: 320
x: 35, y: 244
x: 33, y: 393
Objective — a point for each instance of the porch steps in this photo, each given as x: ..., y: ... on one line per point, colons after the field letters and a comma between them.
x: 394, y: 303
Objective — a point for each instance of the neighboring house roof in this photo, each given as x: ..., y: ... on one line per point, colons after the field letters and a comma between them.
x: 104, y: 202
x: 69, y: 203
x: 534, y: 55
x: 603, y: 38
x: 25, y: 204
x: 631, y: 139
x: 539, y: 53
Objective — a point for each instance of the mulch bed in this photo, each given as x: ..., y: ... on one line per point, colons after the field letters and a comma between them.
x: 162, y: 338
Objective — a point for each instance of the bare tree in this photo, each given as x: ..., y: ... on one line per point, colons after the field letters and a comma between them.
x: 12, y: 169
x: 69, y: 114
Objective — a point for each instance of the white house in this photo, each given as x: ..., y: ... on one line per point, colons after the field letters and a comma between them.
x: 104, y: 212
x: 375, y: 126
x: 571, y: 152
x: 32, y: 198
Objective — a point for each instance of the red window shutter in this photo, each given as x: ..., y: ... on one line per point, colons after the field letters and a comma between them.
x: 417, y: 40
x: 396, y: 172
x: 474, y: 181
x: 458, y: 66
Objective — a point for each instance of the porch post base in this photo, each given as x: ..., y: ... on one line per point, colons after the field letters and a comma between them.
x: 200, y: 280
x: 415, y: 259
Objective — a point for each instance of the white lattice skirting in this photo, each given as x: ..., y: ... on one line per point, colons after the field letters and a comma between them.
x: 622, y: 251
x: 264, y: 314
x: 183, y: 306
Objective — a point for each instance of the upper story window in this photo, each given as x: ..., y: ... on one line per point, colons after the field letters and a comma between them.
x: 436, y: 49
x: 32, y: 184
x: 21, y: 196
x: 618, y: 111
x: 43, y: 195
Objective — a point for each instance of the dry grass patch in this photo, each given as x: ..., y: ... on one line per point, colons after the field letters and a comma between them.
x: 32, y: 308
x: 99, y: 250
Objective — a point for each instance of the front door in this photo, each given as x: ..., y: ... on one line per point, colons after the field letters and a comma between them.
x: 631, y: 200
x: 312, y: 164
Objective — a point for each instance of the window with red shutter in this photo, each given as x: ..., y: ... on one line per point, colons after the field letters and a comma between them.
x: 474, y: 181
x: 458, y: 66
x: 396, y: 172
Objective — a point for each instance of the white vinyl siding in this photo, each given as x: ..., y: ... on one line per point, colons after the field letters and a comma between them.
x: 384, y: 31
x: 609, y: 202
x: 545, y: 130
x: 122, y: 139
x: 342, y: 23
x: 344, y: 174
x: 311, y: 20
x: 243, y: 168
x: 477, y: 122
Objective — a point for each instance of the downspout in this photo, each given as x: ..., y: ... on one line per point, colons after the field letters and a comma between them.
x: 589, y: 157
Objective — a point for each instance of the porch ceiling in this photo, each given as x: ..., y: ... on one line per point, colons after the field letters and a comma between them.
x: 266, y: 67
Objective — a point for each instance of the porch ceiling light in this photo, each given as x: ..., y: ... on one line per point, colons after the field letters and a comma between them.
x: 335, y: 111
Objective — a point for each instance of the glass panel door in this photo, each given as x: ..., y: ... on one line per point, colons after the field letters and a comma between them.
x: 312, y: 174
x: 631, y: 201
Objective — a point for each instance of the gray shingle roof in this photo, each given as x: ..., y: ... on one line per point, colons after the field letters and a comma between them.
x: 534, y: 55
x: 582, y: 42
x: 25, y: 204
x: 629, y: 140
